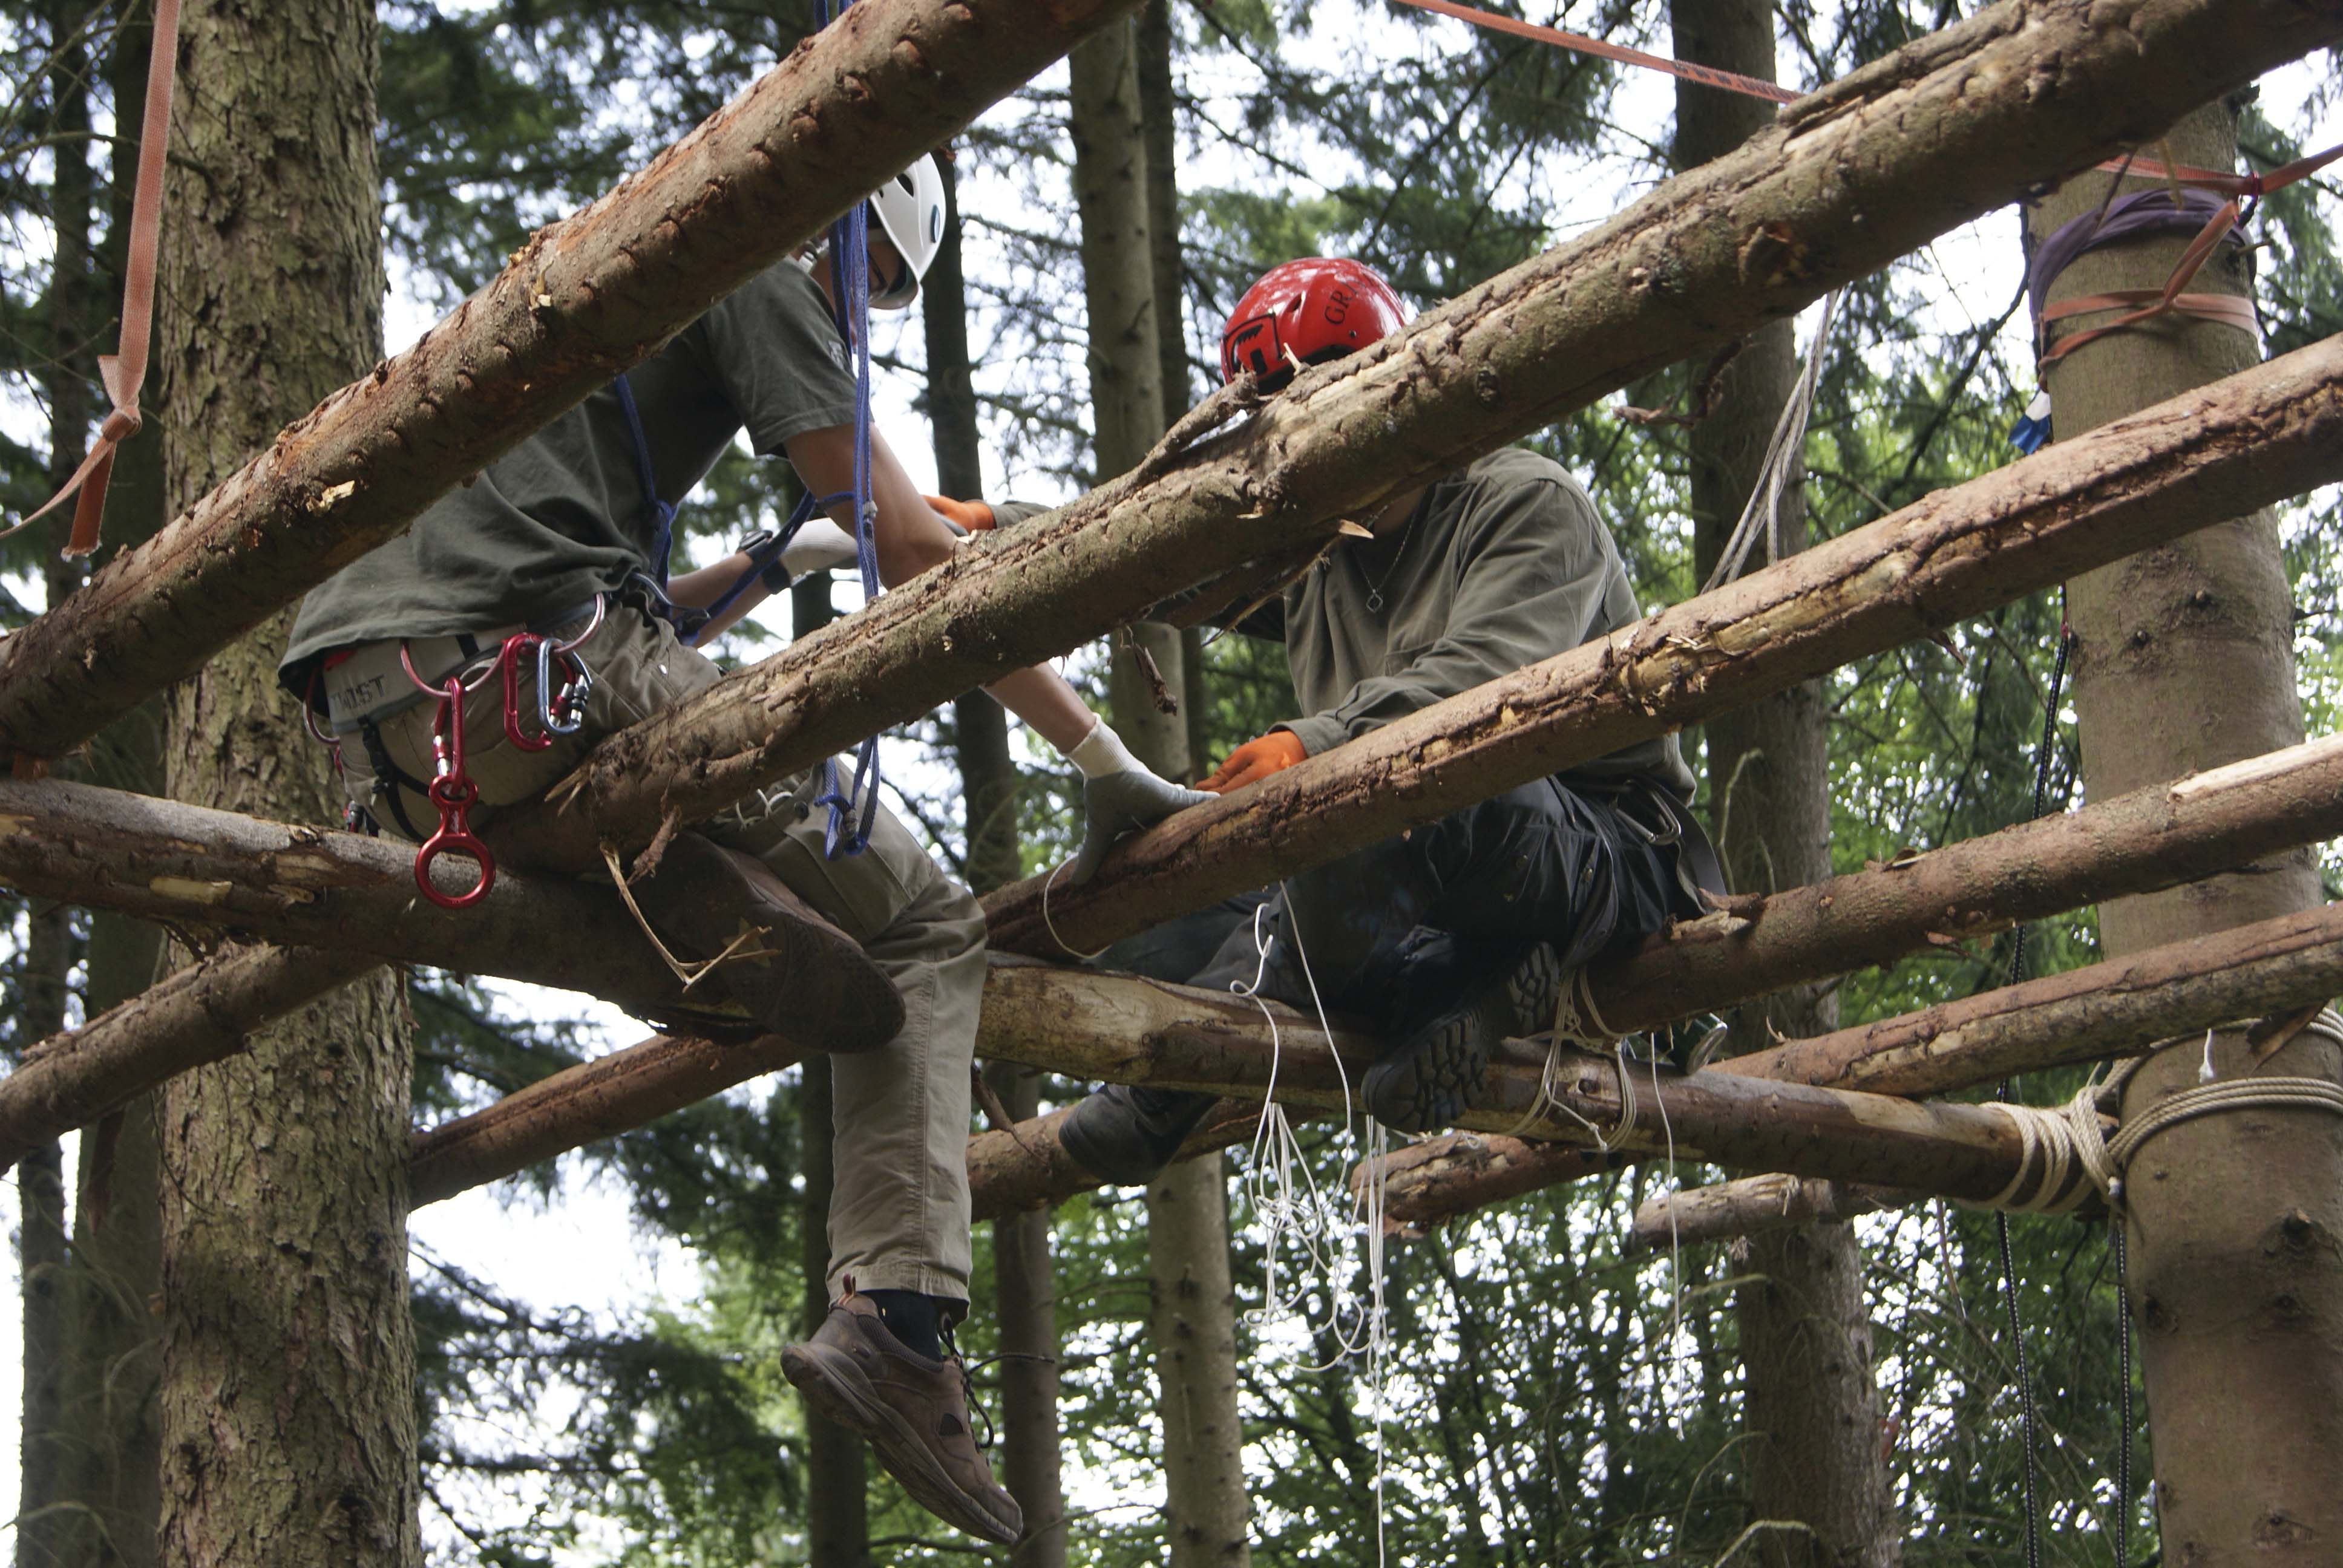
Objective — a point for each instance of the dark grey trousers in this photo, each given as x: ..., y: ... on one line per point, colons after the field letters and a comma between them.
x: 1399, y: 930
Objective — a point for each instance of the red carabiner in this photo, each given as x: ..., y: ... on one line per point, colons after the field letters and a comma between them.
x: 454, y: 794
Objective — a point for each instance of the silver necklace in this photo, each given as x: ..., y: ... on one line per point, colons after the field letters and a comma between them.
x: 1376, y: 590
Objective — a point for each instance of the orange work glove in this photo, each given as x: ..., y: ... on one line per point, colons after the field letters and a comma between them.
x: 1253, y: 761
x: 973, y: 516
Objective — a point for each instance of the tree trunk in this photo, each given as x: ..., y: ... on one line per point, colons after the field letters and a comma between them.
x: 114, y: 1477
x: 288, y: 1363
x: 43, y: 1436
x: 1192, y: 1316
x: 113, y: 1474
x: 45, y: 1524
x: 1111, y: 193
x: 988, y: 773
x: 838, y: 1481
x: 1192, y: 1320
x: 2152, y: 478
x: 2184, y: 659
x: 1808, y: 1395
x: 1026, y: 1297
x: 1159, y: 129
x: 1699, y: 261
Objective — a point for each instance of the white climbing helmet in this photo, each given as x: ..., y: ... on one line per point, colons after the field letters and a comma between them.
x: 911, y: 210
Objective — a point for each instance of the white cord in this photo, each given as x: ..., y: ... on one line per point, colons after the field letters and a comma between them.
x: 1063, y: 946
x: 1789, y: 438
x: 1293, y: 1209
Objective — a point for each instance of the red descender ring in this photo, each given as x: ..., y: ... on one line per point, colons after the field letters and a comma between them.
x: 454, y: 793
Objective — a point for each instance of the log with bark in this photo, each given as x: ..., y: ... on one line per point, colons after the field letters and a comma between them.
x: 2250, y: 807
x: 1127, y: 1029
x: 198, y: 1015
x: 1841, y: 185
x: 196, y: 869
x: 583, y: 300
x: 2268, y: 433
x: 1751, y: 1206
x: 2159, y: 837
x: 1024, y: 1167
x: 580, y: 1105
x: 2121, y: 1007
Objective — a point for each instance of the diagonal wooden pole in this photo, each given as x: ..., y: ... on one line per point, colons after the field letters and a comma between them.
x: 584, y: 298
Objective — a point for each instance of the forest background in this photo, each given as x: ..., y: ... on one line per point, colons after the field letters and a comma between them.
x: 600, y: 1338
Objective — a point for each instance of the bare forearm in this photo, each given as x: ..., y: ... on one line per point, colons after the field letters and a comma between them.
x: 1043, y: 699
x: 698, y: 589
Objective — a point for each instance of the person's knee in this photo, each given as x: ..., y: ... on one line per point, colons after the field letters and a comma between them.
x: 943, y: 922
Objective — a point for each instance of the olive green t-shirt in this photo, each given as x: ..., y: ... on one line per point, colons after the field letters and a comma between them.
x: 1503, y: 564
x: 562, y: 517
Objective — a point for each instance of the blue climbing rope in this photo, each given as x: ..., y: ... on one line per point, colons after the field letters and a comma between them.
x: 849, y: 828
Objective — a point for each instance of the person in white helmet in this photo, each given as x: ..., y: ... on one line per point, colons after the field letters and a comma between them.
x: 567, y: 537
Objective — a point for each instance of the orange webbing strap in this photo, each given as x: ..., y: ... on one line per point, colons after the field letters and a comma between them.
x: 2234, y: 308
x: 124, y: 374
x: 1754, y: 88
x: 2214, y: 179
x: 1729, y: 80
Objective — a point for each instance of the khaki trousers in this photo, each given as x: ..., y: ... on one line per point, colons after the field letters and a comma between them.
x: 898, y: 1211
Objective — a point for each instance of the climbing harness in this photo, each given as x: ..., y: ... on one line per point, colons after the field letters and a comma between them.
x: 561, y: 709
x: 854, y: 809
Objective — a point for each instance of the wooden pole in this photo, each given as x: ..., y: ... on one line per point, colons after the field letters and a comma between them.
x: 2118, y: 1007
x: 1752, y: 1206
x: 195, y: 867
x: 579, y: 1105
x: 2159, y: 837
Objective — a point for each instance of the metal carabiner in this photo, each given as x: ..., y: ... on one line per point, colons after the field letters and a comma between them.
x: 551, y: 711
x: 453, y: 794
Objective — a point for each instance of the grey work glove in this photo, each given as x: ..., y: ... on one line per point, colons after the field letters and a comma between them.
x: 1120, y: 795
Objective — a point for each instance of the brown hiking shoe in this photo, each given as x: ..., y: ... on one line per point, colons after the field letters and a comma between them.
x: 913, y: 1411
x: 796, y: 973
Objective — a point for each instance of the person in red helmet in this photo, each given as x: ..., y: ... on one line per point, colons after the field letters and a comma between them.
x: 1464, y: 931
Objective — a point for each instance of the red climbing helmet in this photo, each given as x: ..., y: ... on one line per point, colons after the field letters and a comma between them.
x: 1317, y: 308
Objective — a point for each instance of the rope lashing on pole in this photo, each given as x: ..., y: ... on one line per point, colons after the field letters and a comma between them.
x: 2068, y: 1155
x: 2187, y: 205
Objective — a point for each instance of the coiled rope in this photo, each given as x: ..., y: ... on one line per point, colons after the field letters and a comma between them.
x: 2071, y: 1142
